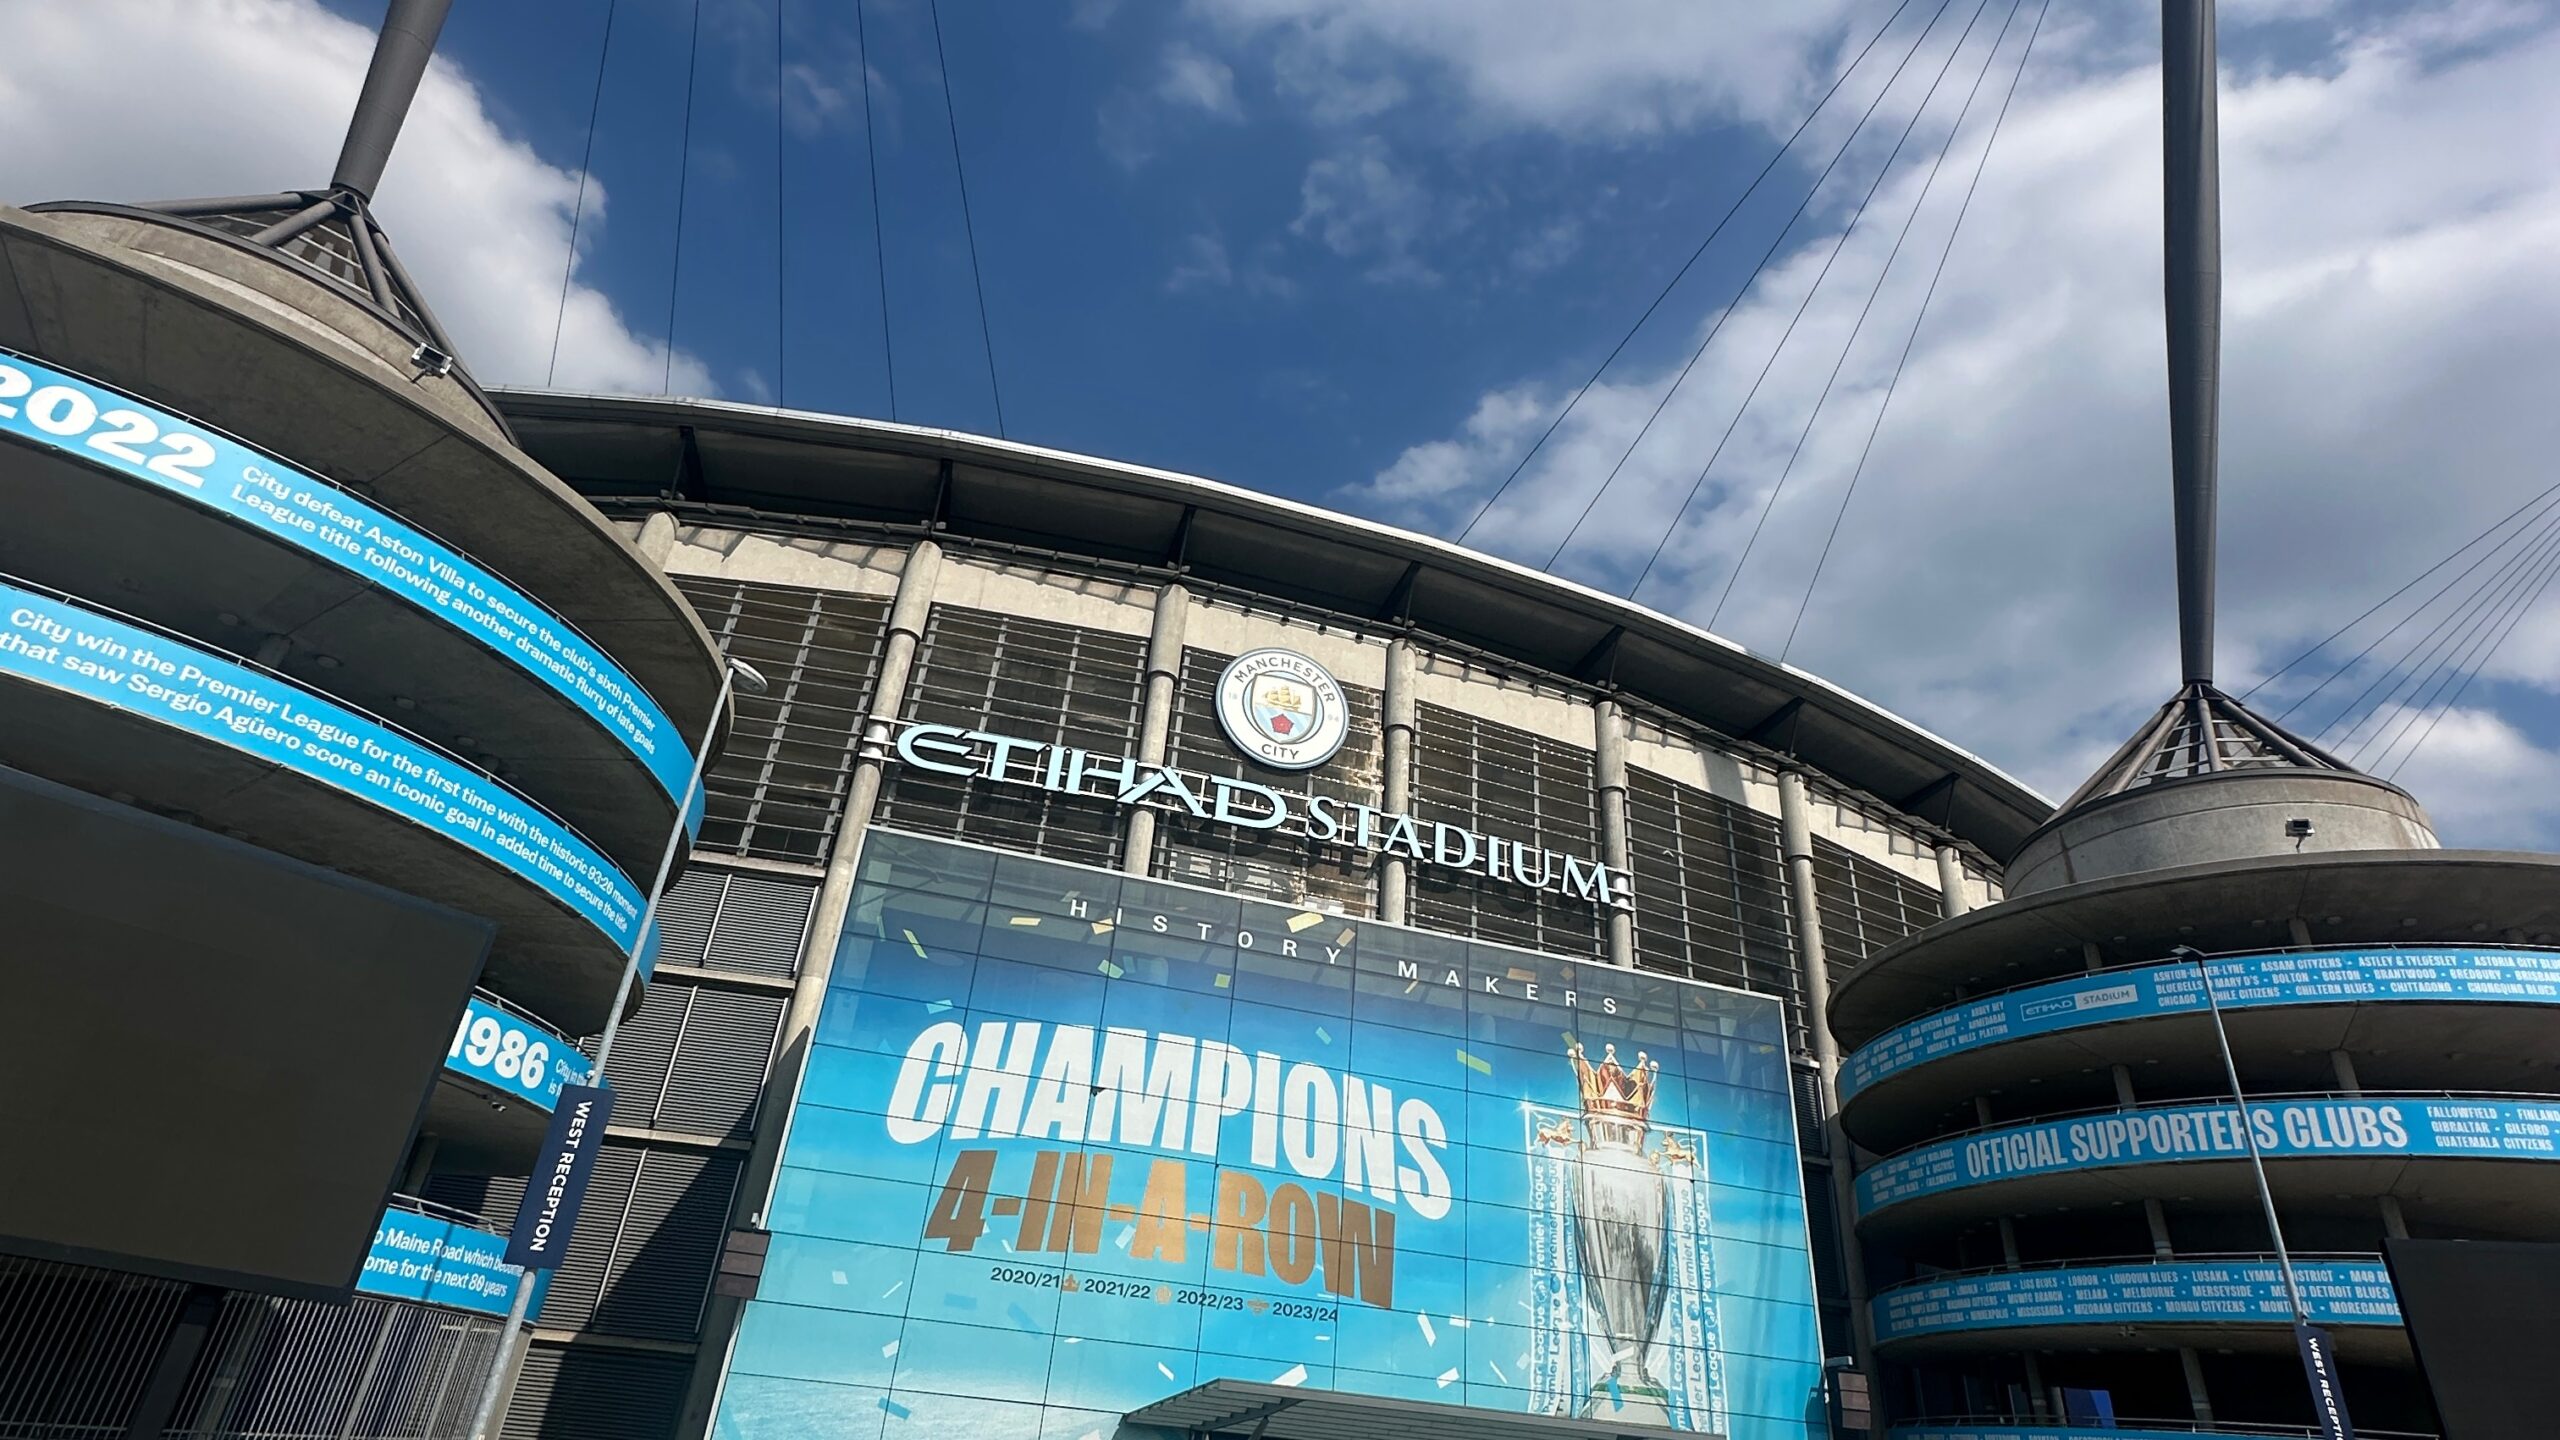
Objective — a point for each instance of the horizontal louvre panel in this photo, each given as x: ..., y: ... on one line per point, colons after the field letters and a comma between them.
x: 776, y: 790
x: 685, y: 913
x: 1711, y: 892
x: 1507, y: 784
x: 642, y: 1050
x: 670, y: 1241
x: 571, y: 1301
x: 763, y: 923
x: 1864, y: 906
x: 1041, y: 681
x: 720, y: 1064
x: 587, y: 1393
x: 1283, y: 868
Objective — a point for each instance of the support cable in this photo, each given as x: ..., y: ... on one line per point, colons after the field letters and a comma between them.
x: 1874, y: 292
x: 2456, y: 622
x: 578, y: 214
x: 2352, y: 661
x: 684, y: 177
x: 1908, y: 341
x: 1775, y: 244
x: 2456, y: 553
x: 2476, y: 670
x: 1803, y: 305
x: 2456, y: 656
x: 1681, y: 274
x: 968, y: 226
x: 871, y: 163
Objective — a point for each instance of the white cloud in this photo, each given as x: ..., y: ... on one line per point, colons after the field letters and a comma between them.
x: 1633, y: 68
x: 1363, y: 206
x: 1203, y: 265
x: 2479, y: 777
x: 1200, y: 82
x: 2392, y: 318
x: 481, y: 220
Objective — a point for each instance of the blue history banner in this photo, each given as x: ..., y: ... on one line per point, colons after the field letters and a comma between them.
x: 2337, y: 1292
x: 55, y: 643
x: 513, y: 1055
x: 105, y: 427
x: 2485, y: 1128
x: 2240, y: 982
x: 1070, y: 1142
x: 436, y: 1261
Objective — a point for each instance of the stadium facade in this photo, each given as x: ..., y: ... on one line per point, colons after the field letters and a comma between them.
x: 1147, y: 958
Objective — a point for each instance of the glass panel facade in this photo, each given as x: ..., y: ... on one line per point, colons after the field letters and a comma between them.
x: 1070, y: 1142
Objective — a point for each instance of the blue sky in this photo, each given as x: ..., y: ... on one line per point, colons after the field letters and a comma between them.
x: 1359, y: 252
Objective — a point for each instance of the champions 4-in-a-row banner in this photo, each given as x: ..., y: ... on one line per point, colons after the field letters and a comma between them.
x: 1070, y: 1143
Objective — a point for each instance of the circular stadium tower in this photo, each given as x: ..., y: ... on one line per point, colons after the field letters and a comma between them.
x: 347, y: 742
x: 2133, y: 1139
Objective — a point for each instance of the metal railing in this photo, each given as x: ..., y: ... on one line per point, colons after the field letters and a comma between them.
x: 2211, y: 1098
x: 2102, y: 1262
x: 78, y: 1347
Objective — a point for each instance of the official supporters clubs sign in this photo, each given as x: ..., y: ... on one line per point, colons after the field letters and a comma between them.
x: 1070, y: 1142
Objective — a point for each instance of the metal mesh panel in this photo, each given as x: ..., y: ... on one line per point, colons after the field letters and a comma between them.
x: 590, y: 1393
x: 671, y: 1235
x: 1711, y: 891
x: 647, y: 1237
x: 726, y: 920
x: 776, y: 791
x: 571, y: 1301
x: 1512, y: 785
x: 1269, y: 864
x: 1029, y: 678
x: 693, y: 1059
x: 1864, y: 906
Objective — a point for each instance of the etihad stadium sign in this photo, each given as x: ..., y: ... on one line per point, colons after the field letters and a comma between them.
x: 1228, y: 800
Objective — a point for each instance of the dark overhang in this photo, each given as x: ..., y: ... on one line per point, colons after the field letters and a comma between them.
x: 746, y: 466
x: 1281, y: 1412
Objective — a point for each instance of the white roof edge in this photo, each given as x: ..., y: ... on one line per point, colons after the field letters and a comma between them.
x: 1244, y: 498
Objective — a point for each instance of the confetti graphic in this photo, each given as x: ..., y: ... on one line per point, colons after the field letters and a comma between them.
x: 1109, y: 1161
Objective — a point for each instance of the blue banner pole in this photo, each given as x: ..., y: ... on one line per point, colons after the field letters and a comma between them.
x: 484, y: 1416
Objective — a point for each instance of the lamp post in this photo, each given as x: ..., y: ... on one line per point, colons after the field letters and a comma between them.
x: 2318, y: 1363
x: 735, y: 675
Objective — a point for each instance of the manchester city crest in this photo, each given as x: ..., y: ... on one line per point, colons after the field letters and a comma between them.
x: 1282, y: 709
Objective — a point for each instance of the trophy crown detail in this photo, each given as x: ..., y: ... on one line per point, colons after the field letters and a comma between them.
x: 1613, y: 1091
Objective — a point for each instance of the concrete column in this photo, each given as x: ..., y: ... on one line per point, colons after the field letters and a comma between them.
x: 1952, y: 901
x: 2124, y: 1086
x: 2009, y: 1256
x: 1610, y: 766
x: 1396, y: 761
x: 1155, y: 722
x: 657, y: 538
x: 422, y: 1163
x: 907, y: 615
x: 2344, y: 1065
x: 2158, y: 1220
x: 2299, y: 929
x: 1795, y: 827
x: 2091, y: 956
x: 2197, y: 1400
x: 1981, y: 1109
x: 2394, y: 1224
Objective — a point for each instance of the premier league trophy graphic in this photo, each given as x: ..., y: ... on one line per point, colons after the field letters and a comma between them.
x: 1620, y: 1216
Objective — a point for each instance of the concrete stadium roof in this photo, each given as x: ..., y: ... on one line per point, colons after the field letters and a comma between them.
x: 747, y: 465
